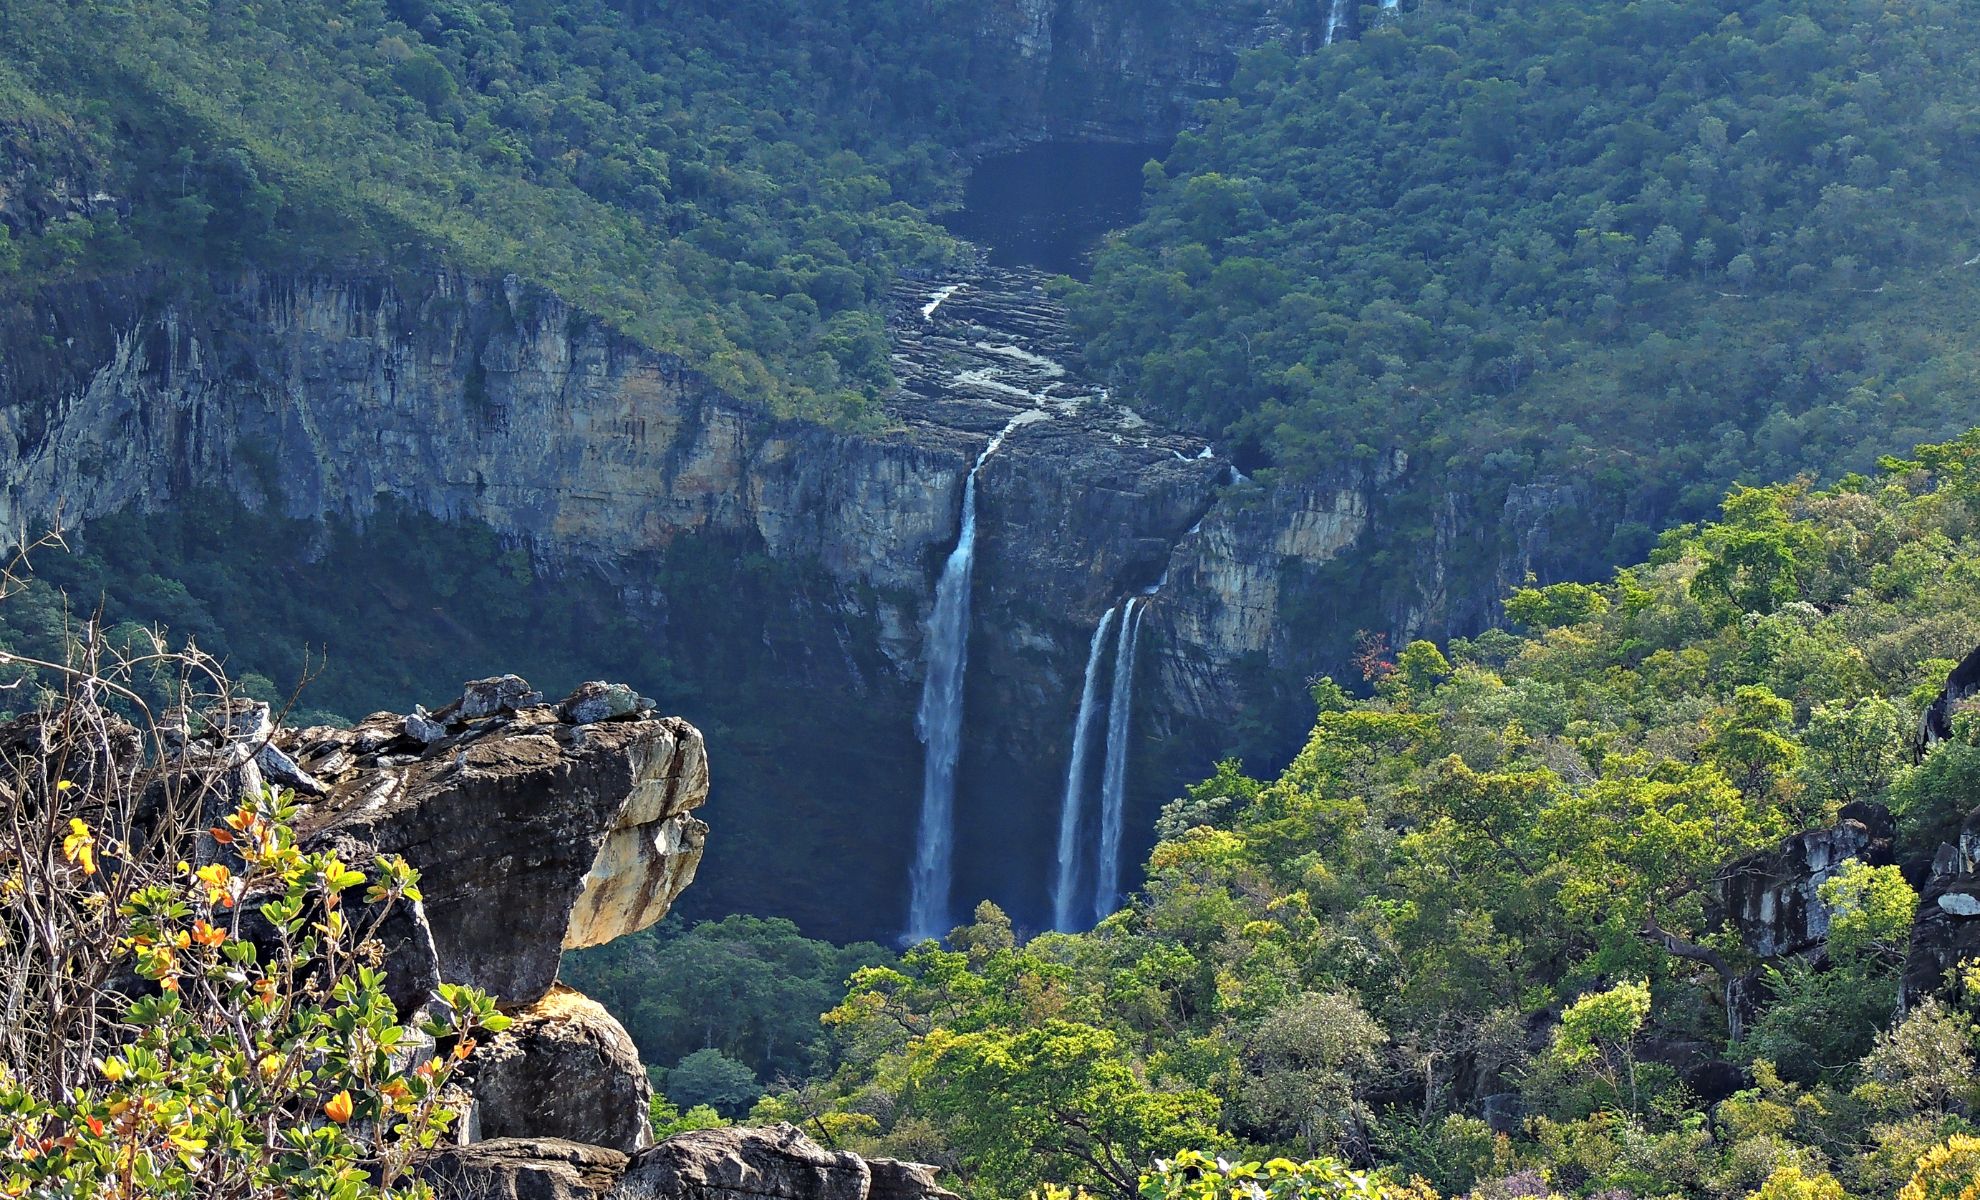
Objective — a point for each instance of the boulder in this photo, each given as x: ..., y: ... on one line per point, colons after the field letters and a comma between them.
x: 1772, y: 899
x: 598, y: 701
x: 1935, y: 723
x: 745, y: 1164
x: 897, y: 1180
x: 531, y: 834
x: 524, y: 1169
x: 492, y: 697
x: 565, y: 1069
x: 1946, y: 930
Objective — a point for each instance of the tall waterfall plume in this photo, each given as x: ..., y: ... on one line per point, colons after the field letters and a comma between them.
x: 1336, y: 18
x: 938, y: 721
x: 1113, y: 777
x: 1066, y: 885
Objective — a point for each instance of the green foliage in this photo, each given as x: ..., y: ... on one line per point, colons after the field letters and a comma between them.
x: 1025, y: 1105
x: 1656, y: 249
x: 267, y: 1062
x: 1541, y: 609
x: 667, y: 1119
x: 1492, y: 876
x: 711, y: 1079
x: 1192, y: 1175
x: 749, y: 987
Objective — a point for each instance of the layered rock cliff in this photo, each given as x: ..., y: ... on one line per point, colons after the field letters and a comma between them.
x: 752, y: 548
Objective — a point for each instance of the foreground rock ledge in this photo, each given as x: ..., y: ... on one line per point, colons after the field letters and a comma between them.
x: 709, y: 1164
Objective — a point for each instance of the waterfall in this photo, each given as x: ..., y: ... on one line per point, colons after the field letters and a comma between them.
x: 1113, y: 778
x: 1067, y: 883
x: 1336, y: 17
x: 938, y: 722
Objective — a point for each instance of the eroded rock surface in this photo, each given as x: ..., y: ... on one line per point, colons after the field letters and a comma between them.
x: 532, y: 833
x: 1946, y: 931
x: 524, y: 1169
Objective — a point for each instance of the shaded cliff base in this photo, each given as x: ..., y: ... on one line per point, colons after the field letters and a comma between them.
x: 385, y: 615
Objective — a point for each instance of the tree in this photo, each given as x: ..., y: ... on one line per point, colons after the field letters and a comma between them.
x: 1853, y: 751
x: 712, y: 1078
x: 1597, y: 1034
x: 1058, y: 1103
x: 1303, y: 1069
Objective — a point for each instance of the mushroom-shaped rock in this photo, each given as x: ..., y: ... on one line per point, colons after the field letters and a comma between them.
x: 531, y: 835
x: 565, y: 1069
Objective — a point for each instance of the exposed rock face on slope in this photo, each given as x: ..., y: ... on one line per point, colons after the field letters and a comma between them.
x: 1946, y: 931
x: 1774, y: 900
x: 711, y: 1164
x: 1113, y: 70
x: 325, y: 398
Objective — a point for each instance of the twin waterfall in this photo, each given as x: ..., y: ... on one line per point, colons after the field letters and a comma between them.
x: 1113, y: 773
x: 1066, y: 885
x: 938, y: 721
x: 939, y: 724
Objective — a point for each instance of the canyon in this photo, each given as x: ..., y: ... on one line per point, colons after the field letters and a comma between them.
x: 788, y: 570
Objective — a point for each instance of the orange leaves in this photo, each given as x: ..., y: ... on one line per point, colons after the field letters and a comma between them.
x: 218, y: 882
x: 339, y: 1107
x: 204, y: 934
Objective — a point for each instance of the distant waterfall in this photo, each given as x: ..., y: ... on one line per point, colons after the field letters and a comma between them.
x: 1065, y: 887
x: 1113, y: 779
x: 938, y: 722
x: 1336, y: 18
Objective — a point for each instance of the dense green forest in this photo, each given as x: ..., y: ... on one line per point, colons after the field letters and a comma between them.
x: 736, y: 182
x: 1660, y: 245
x: 1470, y: 885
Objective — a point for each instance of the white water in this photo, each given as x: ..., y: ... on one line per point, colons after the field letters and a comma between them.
x: 937, y: 299
x: 938, y: 722
x: 1067, y: 883
x: 1113, y: 777
x: 1336, y: 17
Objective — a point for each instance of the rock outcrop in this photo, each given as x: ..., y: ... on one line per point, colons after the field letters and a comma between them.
x: 1105, y: 69
x: 1773, y: 900
x: 533, y: 834
x: 711, y: 1164
x: 1946, y: 931
x: 332, y: 398
x: 1935, y: 723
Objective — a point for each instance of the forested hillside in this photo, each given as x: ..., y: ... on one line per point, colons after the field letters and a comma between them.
x: 1470, y: 934
x: 738, y: 183
x: 1658, y: 246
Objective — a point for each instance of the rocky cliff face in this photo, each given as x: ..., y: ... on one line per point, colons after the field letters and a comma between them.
x: 490, y: 402
x: 1107, y: 70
